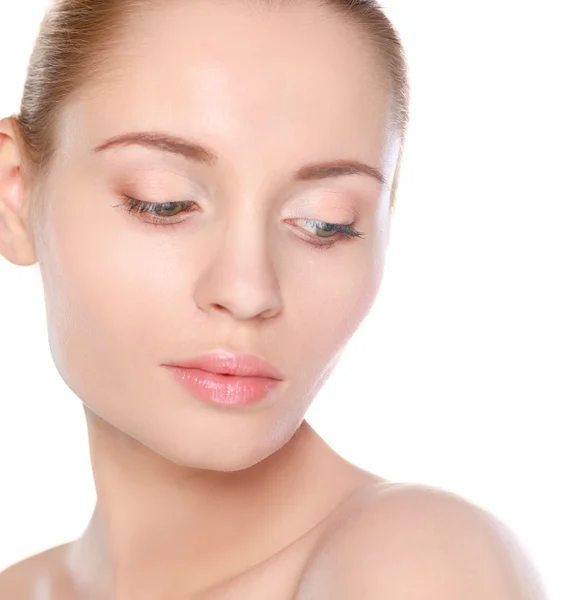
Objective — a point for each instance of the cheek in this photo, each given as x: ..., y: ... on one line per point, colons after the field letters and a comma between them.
x: 98, y: 291
x: 336, y: 300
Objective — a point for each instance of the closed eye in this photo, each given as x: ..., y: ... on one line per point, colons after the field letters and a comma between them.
x: 319, y: 230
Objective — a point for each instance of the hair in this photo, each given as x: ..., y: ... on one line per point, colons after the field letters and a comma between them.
x: 77, y: 36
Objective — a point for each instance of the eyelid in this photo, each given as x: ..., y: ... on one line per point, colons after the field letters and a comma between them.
x: 144, y: 181
x: 327, y: 214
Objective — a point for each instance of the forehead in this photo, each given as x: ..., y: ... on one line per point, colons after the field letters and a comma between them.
x: 250, y: 82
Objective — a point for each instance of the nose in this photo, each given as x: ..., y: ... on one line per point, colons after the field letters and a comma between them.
x: 239, y: 277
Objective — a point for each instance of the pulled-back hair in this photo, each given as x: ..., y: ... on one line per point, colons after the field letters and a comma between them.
x: 76, y: 37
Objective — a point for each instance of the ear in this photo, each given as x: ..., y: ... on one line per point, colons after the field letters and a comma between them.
x: 16, y: 244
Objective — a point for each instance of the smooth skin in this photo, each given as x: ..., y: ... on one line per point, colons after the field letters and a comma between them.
x: 196, y: 501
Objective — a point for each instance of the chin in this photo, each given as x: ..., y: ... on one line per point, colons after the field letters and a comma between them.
x: 213, y: 458
x: 223, y: 443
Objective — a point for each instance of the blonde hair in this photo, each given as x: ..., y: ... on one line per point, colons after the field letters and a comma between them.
x: 76, y: 36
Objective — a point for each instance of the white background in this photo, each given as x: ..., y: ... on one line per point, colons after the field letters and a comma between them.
x: 462, y: 375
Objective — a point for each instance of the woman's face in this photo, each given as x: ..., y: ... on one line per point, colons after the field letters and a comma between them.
x: 247, y: 269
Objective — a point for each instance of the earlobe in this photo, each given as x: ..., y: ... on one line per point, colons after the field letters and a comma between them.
x: 15, y: 243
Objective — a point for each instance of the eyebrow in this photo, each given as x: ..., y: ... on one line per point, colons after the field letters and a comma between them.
x: 201, y: 154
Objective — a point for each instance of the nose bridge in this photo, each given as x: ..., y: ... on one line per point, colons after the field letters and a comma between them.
x: 240, y: 274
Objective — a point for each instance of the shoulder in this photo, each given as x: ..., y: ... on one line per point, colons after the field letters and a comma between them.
x: 33, y: 577
x: 16, y: 581
x: 405, y: 541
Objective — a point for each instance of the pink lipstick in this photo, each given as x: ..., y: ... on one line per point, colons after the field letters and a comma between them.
x: 227, y: 379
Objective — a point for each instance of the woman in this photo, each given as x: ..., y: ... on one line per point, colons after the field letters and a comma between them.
x: 207, y: 188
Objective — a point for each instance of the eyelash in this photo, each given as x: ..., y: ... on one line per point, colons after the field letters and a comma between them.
x: 141, y: 207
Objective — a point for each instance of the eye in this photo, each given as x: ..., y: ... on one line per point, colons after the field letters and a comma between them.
x: 331, y: 232
x: 162, y: 212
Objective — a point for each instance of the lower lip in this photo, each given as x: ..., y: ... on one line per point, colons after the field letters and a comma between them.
x: 224, y: 390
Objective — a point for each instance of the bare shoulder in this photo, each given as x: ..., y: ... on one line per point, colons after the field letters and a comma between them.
x: 33, y: 577
x: 405, y: 541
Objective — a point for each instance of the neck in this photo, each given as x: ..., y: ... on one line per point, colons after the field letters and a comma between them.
x: 158, y: 526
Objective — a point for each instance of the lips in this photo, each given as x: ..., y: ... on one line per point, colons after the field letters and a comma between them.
x: 227, y: 363
x: 227, y: 379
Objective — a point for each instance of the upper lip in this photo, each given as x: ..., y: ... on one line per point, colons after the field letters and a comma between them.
x: 231, y: 363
